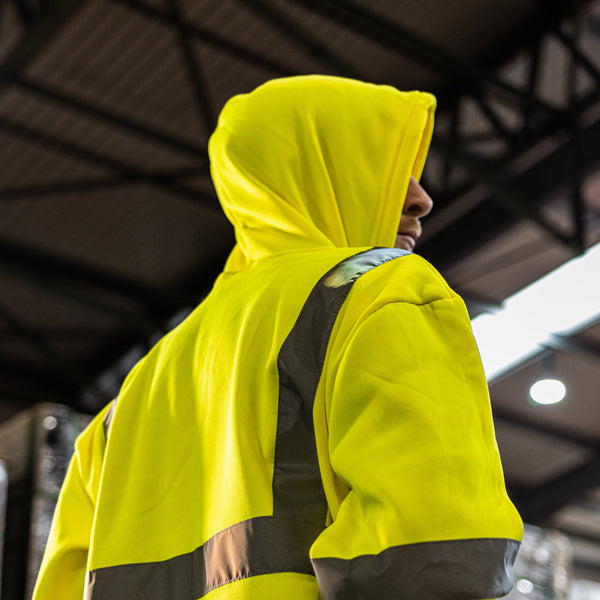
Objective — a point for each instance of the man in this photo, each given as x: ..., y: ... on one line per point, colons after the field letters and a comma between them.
x: 320, y: 425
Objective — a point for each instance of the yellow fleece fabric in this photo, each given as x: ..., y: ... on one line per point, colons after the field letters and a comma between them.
x: 309, y: 170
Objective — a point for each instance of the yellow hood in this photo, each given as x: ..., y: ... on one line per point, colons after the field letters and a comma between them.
x: 316, y: 161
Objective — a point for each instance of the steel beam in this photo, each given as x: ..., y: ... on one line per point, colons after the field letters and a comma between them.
x: 131, y: 171
x: 194, y: 70
x: 60, y: 333
x: 486, y: 219
x: 498, y: 125
x: 45, y: 190
x: 24, y: 12
x: 22, y: 260
x: 576, y: 158
x: 152, y: 134
x: 509, y: 198
x: 533, y: 77
x: 303, y: 38
x: 538, y: 504
x: 525, y: 422
x: 38, y: 343
x: 49, y: 22
x: 453, y: 137
x: 204, y: 35
x: 558, y: 343
x: 530, y: 135
x: 576, y: 184
x: 477, y: 304
x: 421, y: 51
x: 135, y: 322
x: 579, y: 57
x: 572, y: 345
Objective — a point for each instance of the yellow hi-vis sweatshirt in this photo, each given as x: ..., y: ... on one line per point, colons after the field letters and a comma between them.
x: 319, y: 427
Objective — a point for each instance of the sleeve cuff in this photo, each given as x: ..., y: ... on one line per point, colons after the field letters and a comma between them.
x: 449, y: 569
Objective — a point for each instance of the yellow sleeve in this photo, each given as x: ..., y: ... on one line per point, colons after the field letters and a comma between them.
x: 63, y: 570
x: 411, y: 435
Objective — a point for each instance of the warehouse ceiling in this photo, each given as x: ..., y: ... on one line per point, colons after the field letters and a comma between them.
x: 110, y: 230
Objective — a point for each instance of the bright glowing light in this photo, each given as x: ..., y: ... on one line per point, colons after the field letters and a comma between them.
x: 50, y: 423
x: 547, y: 391
x: 562, y: 302
x: 524, y: 586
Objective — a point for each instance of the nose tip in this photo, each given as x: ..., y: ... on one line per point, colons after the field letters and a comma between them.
x: 418, y: 202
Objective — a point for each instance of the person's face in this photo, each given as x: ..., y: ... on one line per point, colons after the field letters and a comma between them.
x: 417, y: 204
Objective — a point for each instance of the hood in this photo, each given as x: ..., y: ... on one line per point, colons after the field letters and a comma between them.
x: 315, y: 161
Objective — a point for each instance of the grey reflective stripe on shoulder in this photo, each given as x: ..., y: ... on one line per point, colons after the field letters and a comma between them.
x: 297, y: 487
x: 258, y: 546
x: 108, y: 417
x: 268, y: 544
x: 468, y: 569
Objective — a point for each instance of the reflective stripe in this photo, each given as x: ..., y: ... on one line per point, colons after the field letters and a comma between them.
x: 269, y: 544
x: 108, y: 417
x: 255, y: 547
x: 448, y: 570
x: 297, y: 486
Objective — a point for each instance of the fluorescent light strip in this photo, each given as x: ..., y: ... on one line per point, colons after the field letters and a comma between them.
x: 562, y: 302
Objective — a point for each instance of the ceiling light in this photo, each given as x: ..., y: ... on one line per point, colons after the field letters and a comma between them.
x: 562, y: 302
x: 547, y: 391
x: 524, y: 586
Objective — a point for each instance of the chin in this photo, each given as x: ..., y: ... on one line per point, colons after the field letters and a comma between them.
x: 403, y: 244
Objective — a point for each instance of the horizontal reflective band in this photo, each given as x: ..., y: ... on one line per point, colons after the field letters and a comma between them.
x: 255, y: 547
x: 447, y: 570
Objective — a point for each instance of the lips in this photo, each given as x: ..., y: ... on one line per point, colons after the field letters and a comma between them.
x: 407, y: 238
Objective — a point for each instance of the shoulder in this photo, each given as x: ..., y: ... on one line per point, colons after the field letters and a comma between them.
x: 403, y: 291
x: 400, y: 277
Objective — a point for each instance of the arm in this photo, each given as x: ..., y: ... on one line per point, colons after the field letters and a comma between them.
x: 411, y: 434
x: 63, y: 569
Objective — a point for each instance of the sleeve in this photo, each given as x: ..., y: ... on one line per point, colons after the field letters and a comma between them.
x: 63, y: 569
x: 411, y: 435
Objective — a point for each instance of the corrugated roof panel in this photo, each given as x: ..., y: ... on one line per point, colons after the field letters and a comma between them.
x: 578, y: 413
x: 134, y: 230
x: 27, y: 162
x: 507, y: 263
x: 369, y: 59
x: 534, y: 458
x: 127, y: 63
x: 234, y: 20
x: 464, y: 27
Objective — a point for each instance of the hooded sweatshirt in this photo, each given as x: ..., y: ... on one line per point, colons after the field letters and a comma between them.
x: 319, y: 427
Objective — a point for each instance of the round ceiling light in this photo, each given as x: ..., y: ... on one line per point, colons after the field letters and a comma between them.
x: 547, y: 391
